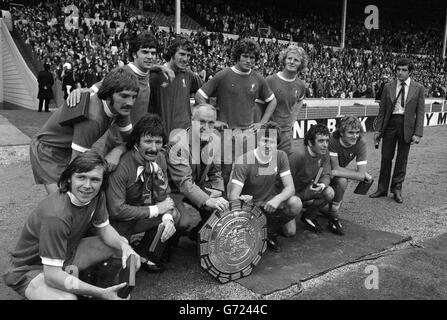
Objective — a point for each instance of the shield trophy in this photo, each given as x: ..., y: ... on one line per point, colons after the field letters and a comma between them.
x: 232, y: 242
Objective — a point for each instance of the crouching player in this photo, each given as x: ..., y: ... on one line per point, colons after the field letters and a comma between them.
x: 256, y: 174
x: 53, y: 242
x: 345, y: 145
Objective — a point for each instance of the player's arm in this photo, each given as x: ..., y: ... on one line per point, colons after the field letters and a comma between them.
x: 55, y: 277
x: 359, y: 174
x: 75, y: 96
x: 167, y: 72
x: 337, y: 171
x: 112, y: 238
x: 270, y: 108
x: 235, y: 191
x: 200, y: 99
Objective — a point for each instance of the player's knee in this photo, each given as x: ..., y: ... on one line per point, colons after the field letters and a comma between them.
x: 328, y: 194
x: 294, y: 205
x: 342, y: 183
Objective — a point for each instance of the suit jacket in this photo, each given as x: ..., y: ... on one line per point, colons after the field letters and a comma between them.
x: 414, y: 109
x: 185, y: 171
x: 45, y: 81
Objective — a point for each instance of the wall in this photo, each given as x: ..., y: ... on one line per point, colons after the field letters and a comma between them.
x: 18, y: 84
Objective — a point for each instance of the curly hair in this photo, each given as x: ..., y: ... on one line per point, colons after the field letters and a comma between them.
x: 245, y: 46
x: 117, y: 80
x: 313, y: 131
x: 83, y: 162
x: 151, y: 124
x: 295, y: 49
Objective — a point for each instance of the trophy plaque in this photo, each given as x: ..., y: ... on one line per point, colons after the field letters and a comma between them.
x: 232, y: 242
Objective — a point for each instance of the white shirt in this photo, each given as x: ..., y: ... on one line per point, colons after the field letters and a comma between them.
x: 398, y: 109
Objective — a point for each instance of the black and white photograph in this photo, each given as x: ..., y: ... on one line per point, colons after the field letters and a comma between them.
x: 224, y: 158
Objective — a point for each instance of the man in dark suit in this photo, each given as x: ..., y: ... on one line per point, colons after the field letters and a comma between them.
x: 400, y: 121
x: 45, y: 94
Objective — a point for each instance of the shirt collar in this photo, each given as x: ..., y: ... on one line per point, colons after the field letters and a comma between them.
x: 286, y: 79
x: 312, y: 154
x: 137, y: 70
x: 236, y: 70
x: 407, y: 82
x: 107, y: 110
x: 259, y: 158
x: 140, y: 171
x: 75, y: 201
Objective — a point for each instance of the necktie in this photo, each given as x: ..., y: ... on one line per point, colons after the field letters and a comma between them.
x: 402, y: 94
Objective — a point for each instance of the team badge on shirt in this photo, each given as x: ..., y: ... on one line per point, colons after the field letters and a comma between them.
x: 252, y: 89
x: 164, y: 85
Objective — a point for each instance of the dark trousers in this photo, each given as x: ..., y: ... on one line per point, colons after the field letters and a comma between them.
x: 42, y: 102
x: 393, y: 134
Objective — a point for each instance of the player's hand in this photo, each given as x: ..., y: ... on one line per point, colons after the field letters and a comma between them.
x: 272, y: 205
x: 368, y: 177
x: 168, y: 231
x: 165, y: 206
x: 415, y: 139
x: 214, y: 193
x: 220, y: 125
x: 318, y: 187
x: 376, y: 137
x: 75, y: 96
x: 255, y: 127
x: 111, y: 293
x: 217, y: 203
x: 113, y: 158
x: 168, y: 73
x: 246, y: 197
x: 126, y: 251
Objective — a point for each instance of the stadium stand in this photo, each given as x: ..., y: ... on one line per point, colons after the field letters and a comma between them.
x: 98, y: 44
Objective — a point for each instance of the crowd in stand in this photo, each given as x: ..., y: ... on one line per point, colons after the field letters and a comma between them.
x: 93, y: 50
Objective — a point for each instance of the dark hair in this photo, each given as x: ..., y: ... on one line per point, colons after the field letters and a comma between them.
x: 405, y: 62
x: 180, y: 42
x: 346, y: 122
x: 117, y: 80
x: 245, y: 46
x: 265, y: 131
x: 143, y: 40
x: 83, y: 162
x: 150, y: 124
x: 313, y: 131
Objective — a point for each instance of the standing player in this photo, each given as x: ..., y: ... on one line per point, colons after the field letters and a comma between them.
x: 289, y: 92
x: 236, y: 90
x: 171, y: 101
x: 345, y: 145
x: 142, y: 53
x: 54, y: 145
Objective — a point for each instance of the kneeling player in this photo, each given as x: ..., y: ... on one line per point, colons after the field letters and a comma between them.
x: 345, y: 145
x: 255, y: 174
x: 53, y: 239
